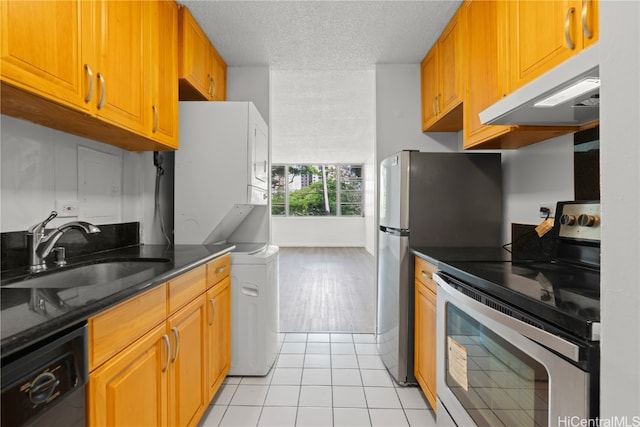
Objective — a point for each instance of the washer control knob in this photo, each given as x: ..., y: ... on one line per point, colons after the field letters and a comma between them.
x: 587, y: 220
x: 567, y: 219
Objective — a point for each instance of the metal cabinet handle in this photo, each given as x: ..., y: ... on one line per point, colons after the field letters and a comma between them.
x: 220, y: 269
x: 213, y: 87
x: 165, y: 337
x: 567, y: 28
x: 433, y: 106
x: 438, y: 104
x: 103, y: 91
x: 265, y: 167
x: 87, y: 98
x: 209, y: 88
x: 176, y: 334
x: 425, y: 275
x: 585, y: 25
x: 155, y: 118
x: 213, y: 310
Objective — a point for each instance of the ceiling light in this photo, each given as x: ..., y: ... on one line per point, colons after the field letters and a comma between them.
x: 573, y: 91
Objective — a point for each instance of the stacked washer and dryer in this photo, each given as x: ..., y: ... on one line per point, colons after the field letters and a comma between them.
x: 221, y: 195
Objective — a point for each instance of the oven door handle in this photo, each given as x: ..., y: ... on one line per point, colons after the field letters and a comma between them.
x: 539, y: 336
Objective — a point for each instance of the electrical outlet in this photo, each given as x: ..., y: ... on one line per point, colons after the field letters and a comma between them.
x: 551, y: 207
x: 67, y: 208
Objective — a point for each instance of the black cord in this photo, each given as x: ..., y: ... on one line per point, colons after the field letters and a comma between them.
x: 543, y: 210
x: 157, y: 162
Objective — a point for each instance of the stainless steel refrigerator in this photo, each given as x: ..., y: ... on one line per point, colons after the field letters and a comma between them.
x: 428, y: 200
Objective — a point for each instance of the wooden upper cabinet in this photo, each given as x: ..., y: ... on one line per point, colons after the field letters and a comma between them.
x: 164, y: 72
x: 429, y: 86
x: 543, y: 34
x: 122, y: 51
x: 590, y: 22
x: 201, y: 70
x: 442, y: 82
x: 93, y: 69
x: 487, y: 81
x: 482, y: 83
x: 193, y: 68
x: 46, y: 48
x: 218, y: 70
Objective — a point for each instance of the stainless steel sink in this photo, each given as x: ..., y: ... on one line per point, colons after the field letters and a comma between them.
x: 92, y: 274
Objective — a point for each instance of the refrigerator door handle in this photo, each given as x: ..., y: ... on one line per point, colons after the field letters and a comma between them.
x: 394, y: 231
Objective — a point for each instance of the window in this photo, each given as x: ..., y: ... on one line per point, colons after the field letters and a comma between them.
x: 316, y: 190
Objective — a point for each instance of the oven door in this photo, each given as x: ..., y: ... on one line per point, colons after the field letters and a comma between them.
x: 492, y: 369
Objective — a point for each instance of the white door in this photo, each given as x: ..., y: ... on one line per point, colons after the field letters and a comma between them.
x: 260, y: 155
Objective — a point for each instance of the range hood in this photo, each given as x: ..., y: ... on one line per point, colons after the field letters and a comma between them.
x: 554, y: 108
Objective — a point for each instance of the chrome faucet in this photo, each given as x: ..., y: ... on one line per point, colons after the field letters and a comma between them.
x: 39, y: 244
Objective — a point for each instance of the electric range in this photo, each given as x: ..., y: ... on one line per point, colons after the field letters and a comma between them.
x: 537, y: 319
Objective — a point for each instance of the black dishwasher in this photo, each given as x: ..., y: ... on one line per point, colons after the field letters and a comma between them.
x: 44, y: 384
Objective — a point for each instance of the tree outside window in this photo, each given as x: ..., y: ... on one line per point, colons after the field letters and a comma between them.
x: 316, y: 190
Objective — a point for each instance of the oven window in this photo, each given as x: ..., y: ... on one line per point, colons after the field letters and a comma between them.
x: 494, y: 381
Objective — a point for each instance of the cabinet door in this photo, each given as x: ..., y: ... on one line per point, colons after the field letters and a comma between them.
x: 188, y: 396
x: 122, y: 52
x: 450, y: 66
x: 482, y: 85
x: 590, y: 22
x: 425, y: 341
x: 193, y: 65
x: 131, y: 388
x: 164, y: 71
x: 218, y: 75
x: 429, y: 85
x: 45, y: 49
x: 219, y: 334
x: 261, y: 157
x: 542, y: 35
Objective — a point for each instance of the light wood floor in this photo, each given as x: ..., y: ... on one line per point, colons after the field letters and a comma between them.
x: 327, y: 290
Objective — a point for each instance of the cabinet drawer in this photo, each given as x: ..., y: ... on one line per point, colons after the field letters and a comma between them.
x: 116, y: 328
x: 218, y: 269
x: 424, y: 273
x: 186, y: 287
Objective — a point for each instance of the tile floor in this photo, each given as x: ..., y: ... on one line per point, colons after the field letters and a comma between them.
x: 320, y: 379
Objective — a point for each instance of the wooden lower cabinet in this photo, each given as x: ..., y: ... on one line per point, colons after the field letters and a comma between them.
x: 188, y: 396
x: 218, y: 334
x: 168, y: 375
x: 425, y: 330
x: 131, y: 389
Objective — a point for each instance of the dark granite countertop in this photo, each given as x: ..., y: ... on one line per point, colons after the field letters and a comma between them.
x: 64, y: 307
x: 444, y: 255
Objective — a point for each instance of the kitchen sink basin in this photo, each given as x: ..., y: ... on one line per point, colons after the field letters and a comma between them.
x: 92, y: 274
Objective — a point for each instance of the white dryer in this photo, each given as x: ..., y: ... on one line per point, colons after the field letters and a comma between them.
x: 254, y: 309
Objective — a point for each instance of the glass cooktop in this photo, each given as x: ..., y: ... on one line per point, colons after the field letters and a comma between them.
x: 563, y: 295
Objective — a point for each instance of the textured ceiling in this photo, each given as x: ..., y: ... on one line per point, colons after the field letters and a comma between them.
x: 325, y: 34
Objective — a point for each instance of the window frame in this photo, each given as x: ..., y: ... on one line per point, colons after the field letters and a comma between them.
x: 338, y: 168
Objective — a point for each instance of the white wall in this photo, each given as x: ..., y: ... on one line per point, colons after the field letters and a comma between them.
x: 250, y: 84
x: 620, y: 170
x: 41, y: 166
x: 398, y: 113
x: 537, y: 174
x: 323, y: 117
x: 319, y: 232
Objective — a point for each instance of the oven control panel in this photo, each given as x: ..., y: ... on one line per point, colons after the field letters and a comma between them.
x: 579, y: 220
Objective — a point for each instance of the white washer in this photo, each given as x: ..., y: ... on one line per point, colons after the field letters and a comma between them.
x: 254, y: 309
